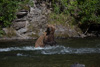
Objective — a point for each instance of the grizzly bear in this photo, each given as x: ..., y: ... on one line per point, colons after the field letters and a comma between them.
x: 47, y: 38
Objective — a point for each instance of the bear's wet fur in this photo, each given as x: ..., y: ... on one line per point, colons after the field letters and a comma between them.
x: 47, y: 38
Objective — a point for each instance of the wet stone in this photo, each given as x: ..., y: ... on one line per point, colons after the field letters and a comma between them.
x: 78, y: 65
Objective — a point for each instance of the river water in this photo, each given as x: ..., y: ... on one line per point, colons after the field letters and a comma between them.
x: 71, y: 52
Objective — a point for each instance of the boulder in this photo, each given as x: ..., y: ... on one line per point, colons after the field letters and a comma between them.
x: 19, y: 24
x: 78, y: 65
x: 10, y: 32
x: 22, y: 30
x: 22, y: 14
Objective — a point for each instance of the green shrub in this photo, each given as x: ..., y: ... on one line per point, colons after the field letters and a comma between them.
x: 84, y: 11
x: 8, y: 8
x: 7, y: 11
x: 1, y: 32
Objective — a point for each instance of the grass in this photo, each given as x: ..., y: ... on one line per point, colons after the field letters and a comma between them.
x: 10, y: 32
x: 62, y: 19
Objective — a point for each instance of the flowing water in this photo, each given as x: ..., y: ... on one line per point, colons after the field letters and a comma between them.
x: 72, y: 52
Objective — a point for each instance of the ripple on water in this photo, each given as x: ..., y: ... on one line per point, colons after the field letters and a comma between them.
x: 52, y: 50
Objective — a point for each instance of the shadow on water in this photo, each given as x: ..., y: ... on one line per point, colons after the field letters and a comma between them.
x: 69, y: 53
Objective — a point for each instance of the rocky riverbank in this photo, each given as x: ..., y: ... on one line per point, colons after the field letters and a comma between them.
x: 31, y: 23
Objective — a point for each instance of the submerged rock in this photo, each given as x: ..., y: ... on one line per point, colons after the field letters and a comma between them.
x: 78, y: 65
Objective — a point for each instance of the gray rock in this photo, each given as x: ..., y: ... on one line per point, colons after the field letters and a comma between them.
x: 21, y: 36
x: 22, y: 14
x: 22, y: 30
x: 30, y: 33
x: 20, y: 24
x: 37, y: 11
x: 5, y: 30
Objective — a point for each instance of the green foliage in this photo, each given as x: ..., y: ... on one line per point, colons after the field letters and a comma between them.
x: 89, y: 11
x: 56, y: 9
x: 57, y: 18
x: 8, y: 8
x: 60, y: 19
x: 7, y: 11
x: 1, y: 32
x: 84, y: 11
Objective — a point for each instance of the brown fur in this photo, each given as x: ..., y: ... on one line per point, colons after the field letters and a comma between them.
x: 47, y: 38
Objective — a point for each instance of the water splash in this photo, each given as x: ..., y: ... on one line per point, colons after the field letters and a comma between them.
x: 21, y: 54
x: 68, y: 50
x: 52, y: 50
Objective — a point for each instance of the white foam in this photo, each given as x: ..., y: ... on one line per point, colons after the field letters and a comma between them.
x: 52, y: 50
x: 20, y: 54
x: 16, y: 48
